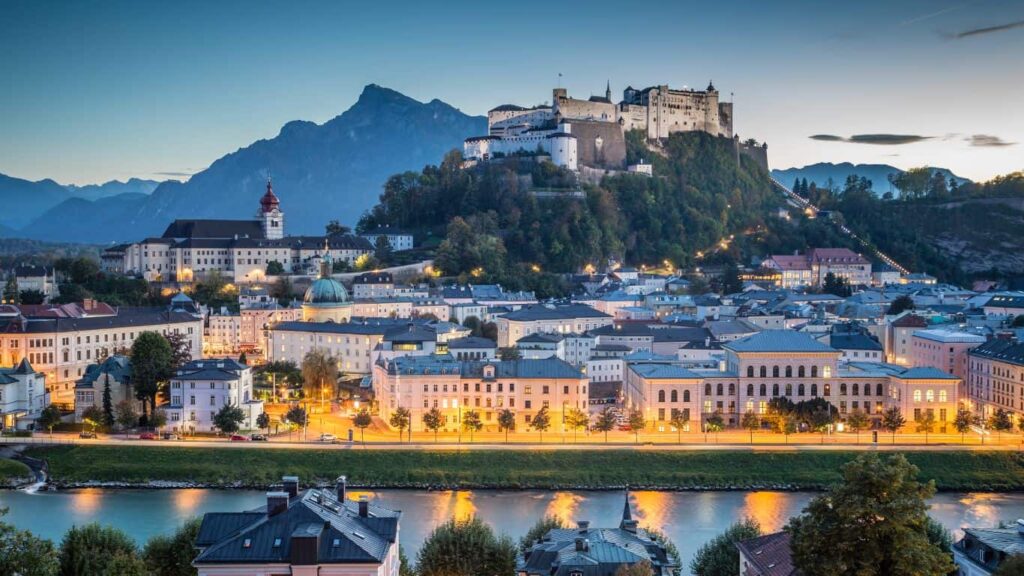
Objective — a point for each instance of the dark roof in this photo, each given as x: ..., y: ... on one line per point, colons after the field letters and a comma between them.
x: 854, y: 342
x: 910, y: 321
x: 374, y: 278
x: 639, y: 330
x: 770, y: 555
x: 471, y: 342
x: 124, y: 319
x: 118, y: 367
x: 365, y: 326
x: 926, y: 373
x: 27, y: 271
x: 446, y: 364
x: 1009, y: 351
x: 778, y: 341
x: 593, y: 552
x: 1006, y: 301
x: 541, y: 312
x: 214, y: 229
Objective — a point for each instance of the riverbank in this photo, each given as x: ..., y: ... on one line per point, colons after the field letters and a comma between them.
x: 14, y: 474
x: 162, y: 467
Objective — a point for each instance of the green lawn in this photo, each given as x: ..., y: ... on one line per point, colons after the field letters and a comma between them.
x: 510, y: 469
x: 11, y: 470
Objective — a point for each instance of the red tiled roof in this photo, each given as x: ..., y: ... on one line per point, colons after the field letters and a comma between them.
x: 835, y: 256
x: 910, y: 321
x: 792, y: 262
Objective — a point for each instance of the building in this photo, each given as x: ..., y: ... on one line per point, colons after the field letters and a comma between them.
x: 596, y: 551
x: 36, y: 279
x: 799, y: 271
x: 326, y: 299
x: 472, y: 348
x: 899, y: 338
x: 62, y: 348
x: 556, y: 142
x: 1007, y: 305
x: 201, y: 388
x: 982, y: 550
x: 995, y: 377
x: 420, y: 383
x: 397, y: 240
x: 23, y: 396
x: 313, y: 532
x: 536, y: 318
x: 373, y: 285
x: 768, y: 555
x: 239, y: 250
x: 944, y: 349
x: 113, y: 373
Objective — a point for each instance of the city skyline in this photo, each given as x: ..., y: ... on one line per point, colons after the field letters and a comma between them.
x: 124, y: 91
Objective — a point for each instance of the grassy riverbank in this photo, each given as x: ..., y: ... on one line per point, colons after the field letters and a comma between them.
x: 69, y: 465
x: 13, y: 472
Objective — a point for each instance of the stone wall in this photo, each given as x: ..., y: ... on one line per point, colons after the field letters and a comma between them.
x: 599, y: 144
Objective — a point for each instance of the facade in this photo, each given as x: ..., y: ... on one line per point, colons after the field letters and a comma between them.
x: 316, y: 532
x: 373, y: 285
x: 326, y: 299
x: 23, y: 396
x: 228, y: 334
x: 944, y: 349
x: 397, y: 239
x: 201, y: 388
x: 420, y: 383
x: 799, y: 271
x: 528, y: 320
x: 113, y: 373
x: 982, y: 550
x: 36, y: 278
x: 557, y: 142
x: 899, y: 338
x: 995, y: 377
x: 62, y: 348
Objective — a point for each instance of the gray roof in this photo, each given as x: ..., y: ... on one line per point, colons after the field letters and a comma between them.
x: 662, y: 371
x: 471, y: 342
x: 124, y: 319
x: 541, y: 312
x: 447, y: 364
x: 1007, y: 351
x: 604, y: 552
x: 118, y: 367
x: 854, y: 342
x: 214, y: 229
x: 778, y: 341
x: 926, y: 373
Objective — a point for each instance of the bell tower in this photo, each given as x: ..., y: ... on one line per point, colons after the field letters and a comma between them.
x: 270, y: 215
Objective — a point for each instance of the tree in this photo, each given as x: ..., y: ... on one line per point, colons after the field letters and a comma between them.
x: 637, y: 422
x: 173, y: 555
x: 49, y: 417
x: 1000, y: 422
x: 297, y: 415
x: 836, y: 285
x: 158, y: 419
x: 152, y: 364
x: 319, y: 371
x: 857, y: 420
x: 242, y: 359
x: 713, y: 423
x: 125, y: 415
x: 506, y: 422
x: 680, y: 419
x: 719, y: 556
x: 642, y: 568
x: 821, y: 419
x: 24, y: 554
x: 382, y: 249
x: 1012, y: 566
x: 926, y: 424
x: 400, y: 418
x: 263, y: 422
x: 471, y: 422
x: 93, y: 550
x: 275, y: 268
x: 893, y: 420
x: 541, y: 422
x: 108, y: 406
x: 509, y: 353
x: 181, y: 349
x: 751, y: 422
x: 11, y: 293
x: 963, y: 421
x: 362, y: 420
x: 335, y: 227
x: 539, y: 529
x: 605, y: 422
x: 731, y: 281
x: 92, y: 417
x: 281, y: 288
x: 229, y: 418
x: 433, y: 420
x: 465, y: 547
x: 32, y: 297
x: 576, y: 419
x: 900, y: 305
x: 884, y: 500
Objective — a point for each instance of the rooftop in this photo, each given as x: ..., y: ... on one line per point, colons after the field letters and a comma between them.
x: 778, y: 341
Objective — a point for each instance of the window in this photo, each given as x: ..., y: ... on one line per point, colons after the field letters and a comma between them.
x: 750, y: 389
x: 789, y: 371
x: 718, y: 389
x: 764, y: 372
x: 764, y: 390
x: 842, y: 389
x: 800, y: 372
x: 942, y: 398
x: 789, y: 389
x: 775, y: 371
x: 686, y: 395
x: 929, y: 395
x: 661, y: 395
x: 856, y: 389
x: 917, y: 395
x: 775, y: 389
x: 750, y: 371
x: 878, y: 389
x: 674, y: 396
x: 707, y: 389
x: 814, y: 390
x: 814, y: 371
x: 800, y: 390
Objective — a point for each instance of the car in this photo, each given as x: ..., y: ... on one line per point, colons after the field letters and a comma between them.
x: 625, y: 428
x: 169, y: 436
x: 258, y: 437
x: 238, y: 438
x: 87, y: 435
x: 147, y: 436
x: 327, y: 437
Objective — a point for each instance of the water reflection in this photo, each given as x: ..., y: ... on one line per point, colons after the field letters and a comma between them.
x: 652, y: 509
x: 86, y: 501
x: 188, y: 501
x: 769, y: 509
x: 564, y: 506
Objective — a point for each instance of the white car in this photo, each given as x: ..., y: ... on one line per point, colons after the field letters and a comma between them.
x: 327, y: 438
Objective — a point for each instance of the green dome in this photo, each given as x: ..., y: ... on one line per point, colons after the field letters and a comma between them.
x: 326, y: 292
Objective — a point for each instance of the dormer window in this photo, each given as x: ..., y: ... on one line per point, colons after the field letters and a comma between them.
x: 247, y: 543
x: 277, y: 542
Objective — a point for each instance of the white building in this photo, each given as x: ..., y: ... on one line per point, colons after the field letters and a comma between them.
x: 573, y: 318
x: 202, y: 388
x: 397, y: 240
x: 23, y: 396
x: 558, y: 143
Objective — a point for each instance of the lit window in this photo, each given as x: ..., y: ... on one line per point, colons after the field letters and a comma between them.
x: 917, y: 395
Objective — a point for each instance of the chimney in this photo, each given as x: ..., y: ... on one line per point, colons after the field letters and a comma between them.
x: 341, y: 486
x: 582, y: 545
x: 1020, y: 526
x: 277, y: 502
x: 364, y: 507
x: 582, y: 526
x: 291, y: 485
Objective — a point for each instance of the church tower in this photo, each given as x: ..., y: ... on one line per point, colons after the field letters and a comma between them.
x: 270, y: 215
x: 608, y: 91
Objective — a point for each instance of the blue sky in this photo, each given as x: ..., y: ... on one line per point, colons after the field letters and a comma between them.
x: 102, y: 90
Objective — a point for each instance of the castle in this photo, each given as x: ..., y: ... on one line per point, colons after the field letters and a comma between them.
x: 591, y: 132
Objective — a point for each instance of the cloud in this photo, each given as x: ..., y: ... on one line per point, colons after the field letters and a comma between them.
x: 883, y: 139
x: 987, y: 140
x: 173, y: 173
x: 989, y: 29
x: 931, y: 15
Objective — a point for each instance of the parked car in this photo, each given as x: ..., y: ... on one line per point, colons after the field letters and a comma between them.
x: 238, y: 438
x: 85, y: 434
x: 147, y: 436
x: 327, y: 437
x: 169, y: 436
x: 258, y: 437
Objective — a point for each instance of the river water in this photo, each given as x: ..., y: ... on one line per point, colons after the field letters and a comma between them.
x: 689, y: 518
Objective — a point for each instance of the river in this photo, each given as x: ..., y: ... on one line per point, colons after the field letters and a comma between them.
x: 689, y: 518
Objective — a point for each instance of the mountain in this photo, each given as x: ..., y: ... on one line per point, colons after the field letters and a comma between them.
x: 821, y: 172
x: 24, y: 200
x: 66, y: 220
x: 113, y: 188
x: 321, y: 172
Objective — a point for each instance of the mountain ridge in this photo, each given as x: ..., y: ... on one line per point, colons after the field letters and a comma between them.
x: 821, y: 172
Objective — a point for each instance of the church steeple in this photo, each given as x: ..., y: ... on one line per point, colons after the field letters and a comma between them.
x: 627, y: 523
x: 326, y: 264
x: 270, y: 215
x: 608, y: 90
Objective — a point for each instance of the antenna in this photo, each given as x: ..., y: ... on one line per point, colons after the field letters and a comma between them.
x: 559, y: 79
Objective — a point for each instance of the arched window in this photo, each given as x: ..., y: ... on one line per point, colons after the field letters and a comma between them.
x: 856, y: 389
x: 661, y: 395
x: 750, y: 371
x: 842, y: 389
x: 828, y: 389
x: 800, y: 390
x: 878, y: 389
x: 867, y: 389
x: 789, y: 389
x: 707, y: 389
x: 917, y: 395
x: 732, y: 388
x: 775, y: 390
x: 686, y: 395
x: 674, y: 396
x: 719, y: 389
x: 750, y: 389
x: 764, y: 372
x: 814, y: 390
x: 814, y: 371
x: 775, y: 371
x: 800, y: 372
x: 764, y: 389
x: 789, y: 371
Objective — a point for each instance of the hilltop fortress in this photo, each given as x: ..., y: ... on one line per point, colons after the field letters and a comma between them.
x: 591, y: 132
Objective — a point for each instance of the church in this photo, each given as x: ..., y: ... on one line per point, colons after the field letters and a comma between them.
x: 240, y: 250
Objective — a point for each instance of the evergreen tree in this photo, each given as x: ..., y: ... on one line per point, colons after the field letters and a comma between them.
x: 173, y: 555
x: 11, y: 293
x: 93, y: 550
x: 719, y: 556
x: 108, y: 405
x: 152, y: 364
x: 465, y: 547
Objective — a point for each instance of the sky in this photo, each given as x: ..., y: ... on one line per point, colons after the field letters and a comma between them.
x: 95, y: 91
